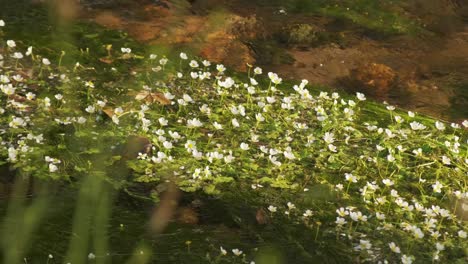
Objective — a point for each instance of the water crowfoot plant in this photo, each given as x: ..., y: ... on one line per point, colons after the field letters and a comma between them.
x: 324, y: 171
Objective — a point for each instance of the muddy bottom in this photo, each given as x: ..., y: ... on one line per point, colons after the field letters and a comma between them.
x: 429, y: 67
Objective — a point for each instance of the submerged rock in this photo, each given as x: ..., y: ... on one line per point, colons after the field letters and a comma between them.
x: 373, y: 79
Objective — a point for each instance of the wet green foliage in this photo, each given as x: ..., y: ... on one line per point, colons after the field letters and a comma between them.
x: 88, y: 207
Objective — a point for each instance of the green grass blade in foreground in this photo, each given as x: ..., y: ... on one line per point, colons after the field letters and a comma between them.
x: 22, y: 220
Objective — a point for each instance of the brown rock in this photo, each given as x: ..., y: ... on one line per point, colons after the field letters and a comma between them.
x: 109, y: 19
x: 262, y: 217
x: 187, y: 216
x: 373, y: 79
x: 135, y: 145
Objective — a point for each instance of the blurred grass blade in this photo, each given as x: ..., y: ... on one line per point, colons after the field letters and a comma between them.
x: 22, y: 220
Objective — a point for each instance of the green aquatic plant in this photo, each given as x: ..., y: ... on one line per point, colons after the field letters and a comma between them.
x: 325, y: 169
x: 382, y: 17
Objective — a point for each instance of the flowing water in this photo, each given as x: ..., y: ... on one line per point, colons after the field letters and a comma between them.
x: 413, y: 54
x: 423, y: 43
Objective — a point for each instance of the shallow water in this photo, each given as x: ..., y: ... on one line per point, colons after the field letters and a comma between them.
x: 425, y: 43
x: 428, y: 59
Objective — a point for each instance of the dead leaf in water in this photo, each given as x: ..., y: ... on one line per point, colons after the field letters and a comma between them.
x: 108, y: 111
x: 150, y: 97
x: 261, y: 217
x: 106, y: 60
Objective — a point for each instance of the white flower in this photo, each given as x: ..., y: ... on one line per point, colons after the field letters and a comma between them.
x: 11, y: 43
x: 235, y: 123
x: 183, y: 56
x: 380, y: 216
x: 163, y: 121
x: 437, y: 187
x: 462, y: 234
x: 288, y: 154
x: 417, y: 152
x: 118, y: 111
x: 163, y: 61
x: 446, y: 160
x: 91, y: 256
x: 8, y: 89
x: 167, y: 144
x: 274, y: 78
x: 291, y: 206
x: 258, y: 70
x: 340, y: 221
x: 58, y: 97
x: 439, y: 125
x: 217, y: 125
x: 387, y: 182
x: 332, y: 147
x: 406, y: 260
x: 411, y: 114
x: 101, y: 103
x: 237, y: 252
x: 206, y: 63
x: 126, y: 50
x: 272, y: 209
x: 90, y: 109
x: 29, y: 51
x: 2, y: 23
x: 259, y: 117
x: 52, y: 167
x: 220, y: 68
x: 417, y: 126
x: 329, y: 138
x: 190, y: 145
x: 153, y: 56
x: 455, y: 125
x: 223, y: 251
x: 465, y: 123
x: 399, y: 119
x: 253, y: 81
x: 361, y: 96
x: 4, y: 79
x: 350, y: 178
x: 81, y: 120
x: 17, y: 122
x: 244, y: 146
x: 364, y: 244
x: 228, y: 83
x: 308, y: 213
x: 47, y: 102
x: 193, y: 64
x: 195, y: 122
x: 17, y: 55
x: 394, y: 248
x: 342, y: 212
x: 12, y: 154
x: 45, y: 61
x: 440, y: 246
